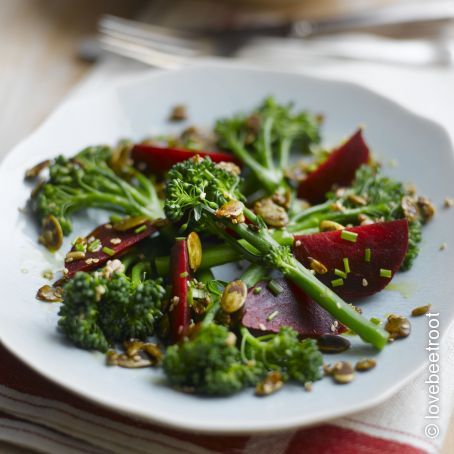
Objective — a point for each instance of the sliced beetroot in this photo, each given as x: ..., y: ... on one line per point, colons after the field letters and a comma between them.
x: 117, y: 243
x: 264, y: 312
x: 387, y: 241
x: 160, y: 159
x: 338, y: 169
x: 180, y: 275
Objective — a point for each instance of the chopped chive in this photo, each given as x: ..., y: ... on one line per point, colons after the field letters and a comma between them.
x: 94, y: 246
x: 337, y: 282
x: 385, y: 273
x: 275, y: 288
x: 375, y: 320
x: 367, y: 254
x: 346, y: 265
x: 79, y: 247
x: 140, y: 229
x: 340, y: 273
x: 184, y: 274
x: 108, y: 251
x: 349, y: 236
x: 272, y: 315
x: 257, y: 290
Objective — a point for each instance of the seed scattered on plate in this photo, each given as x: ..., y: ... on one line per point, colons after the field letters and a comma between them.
x: 50, y: 294
x: 364, y: 365
x: 271, y: 383
x: 343, y: 372
x: 329, y: 343
x: 397, y: 327
x: 421, y: 310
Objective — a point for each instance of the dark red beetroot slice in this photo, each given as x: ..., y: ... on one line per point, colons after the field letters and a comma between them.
x: 387, y: 241
x: 105, y: 233
x: 179, y: 268
x: 338, y: 169
x: 160, y: 159
x: 294, y: 309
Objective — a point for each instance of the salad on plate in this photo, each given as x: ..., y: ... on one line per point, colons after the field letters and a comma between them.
x: 231, y: 258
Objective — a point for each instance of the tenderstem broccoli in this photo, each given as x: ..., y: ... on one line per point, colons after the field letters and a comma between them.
x: 86, y: 181
x: 263, y: 139
x: 198, y: 190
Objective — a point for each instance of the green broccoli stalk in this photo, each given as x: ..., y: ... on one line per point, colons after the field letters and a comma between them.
x: 86, y: 181
x: 296, y: 360
x: 106, y: 306
x: 198, y: 190
x: 209, y: 363
x: 372, y: 195
x: 263, y: 139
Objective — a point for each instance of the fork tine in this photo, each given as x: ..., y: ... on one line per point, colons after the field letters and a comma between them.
x: 144, y: 54
x: 126, y: 27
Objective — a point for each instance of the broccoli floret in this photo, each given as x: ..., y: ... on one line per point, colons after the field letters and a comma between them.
x: 199, y: 190
x: 98, y: 311
x: 87, y: 180
x: 209, y: 363
x: 79, y: 312
x: 295, y: 360
x: 263, y: 139
x: 130, y: 309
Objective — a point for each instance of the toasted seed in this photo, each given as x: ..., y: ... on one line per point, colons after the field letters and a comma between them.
x: 133, y: 363
x: 271, y: 383
x: 233, y: 209
x: 448, y: 202
x: 51, y: 233
x: 357, y: 199
x: 111, y: 358
x: 421, y: 310
x: 328, y: 226
x: 178, y: 113
x: 283, y: 198
x: 398, y: 326
x: 50, y: 294
x: 426, y: 208
x: 34, y: 172
x: 74, y: 255
x: 273, y: 214
x: 343, y: 372
x: 330, y: 343
x: 409, y: 208
x: 194, y: 250
x: 317, y: 266
x: 129, y: 223
x: 234, y: 296
x: 364, y: 365
x: 47, y: 274
x: 230, y: 167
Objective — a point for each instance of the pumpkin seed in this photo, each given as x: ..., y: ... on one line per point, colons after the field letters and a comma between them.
x: 329, y: 226
x: 364, y: 365
x: 409, y: 208
x: 178, y: 113
x: 233, y: 209
x: 50, y: 294
x: 398, y: 327
x: 273, y: 214
x: 330, y: 343
x: 34, y: 172
x: 229, y: 167
x: 194, y: 250
x: 271, y: 383
x: 343, y: 372
x: 421, y: 310
x: 234, y: 296
x: 129, y: 223
x: 317, y: 266
x: 426, y: 208
x: 51, y: 233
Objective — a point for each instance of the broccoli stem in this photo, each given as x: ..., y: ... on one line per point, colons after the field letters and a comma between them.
x: 254, y: 273
x: 292, y: 269
x: 138, y: 272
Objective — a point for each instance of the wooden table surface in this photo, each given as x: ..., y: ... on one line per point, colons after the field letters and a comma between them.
x: 39, y: 65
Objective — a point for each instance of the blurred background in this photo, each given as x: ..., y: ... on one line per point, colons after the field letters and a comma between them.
x: 46, y: 46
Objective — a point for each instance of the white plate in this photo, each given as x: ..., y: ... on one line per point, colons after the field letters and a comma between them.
x: 139, y: 107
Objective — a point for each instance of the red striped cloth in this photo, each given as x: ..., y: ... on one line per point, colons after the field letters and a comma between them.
x: 39, y: 414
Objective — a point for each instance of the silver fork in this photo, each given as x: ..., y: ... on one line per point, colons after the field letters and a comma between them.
x: 170, y: 48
